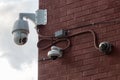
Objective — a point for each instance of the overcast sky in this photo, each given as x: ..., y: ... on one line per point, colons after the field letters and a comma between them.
x: 17, y: 62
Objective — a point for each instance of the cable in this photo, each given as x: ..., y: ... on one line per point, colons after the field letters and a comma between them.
x: 87, y: 31
x: 97, y: 23
x: 54, y: 42
x: 42, y: 36
x: 57, y: 40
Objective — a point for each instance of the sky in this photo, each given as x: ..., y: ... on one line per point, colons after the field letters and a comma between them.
x: 17, y: 62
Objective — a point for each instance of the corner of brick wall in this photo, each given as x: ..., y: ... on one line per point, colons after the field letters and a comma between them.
x: 82, y: 61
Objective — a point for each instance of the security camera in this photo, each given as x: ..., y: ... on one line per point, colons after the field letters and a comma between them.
x: 105, y: 47
x: 20, y: 32
x: 55, y: 52
x: 21, y: 29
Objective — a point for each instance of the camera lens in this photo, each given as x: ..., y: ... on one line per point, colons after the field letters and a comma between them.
x: 23, y: 41
x: 54, y: 57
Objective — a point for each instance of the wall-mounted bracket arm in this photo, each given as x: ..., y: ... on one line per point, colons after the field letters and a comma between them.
x: 39, y: 18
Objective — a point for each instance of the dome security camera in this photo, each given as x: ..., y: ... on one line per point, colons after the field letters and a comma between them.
x: 20, y: 32
x: 21, y: 29
x: 105, y: 47
x: 55, y: 52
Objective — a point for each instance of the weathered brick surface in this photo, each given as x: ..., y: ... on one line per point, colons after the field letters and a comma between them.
x: 82, y: 61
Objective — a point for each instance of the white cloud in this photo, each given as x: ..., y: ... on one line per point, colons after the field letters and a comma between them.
x: 11, y: 74
x: 17, y: 56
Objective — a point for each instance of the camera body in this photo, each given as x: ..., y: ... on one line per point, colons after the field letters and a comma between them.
x: 55, y: 52
x: 20, y: 32
x: 105, y: 47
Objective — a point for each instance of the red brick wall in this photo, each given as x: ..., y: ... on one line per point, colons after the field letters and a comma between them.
x: 82, y: 61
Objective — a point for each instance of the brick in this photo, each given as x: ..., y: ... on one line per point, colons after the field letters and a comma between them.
x: 115, y: 27
x: 86, y: 78
x: 98, y: 8
x: 71, y: 6
x: 93, y: 54
x: 114, y: 73
x: 108, y: 34
x: 58, y: 78
x: 73, y: 70
x: 71, y: 22
x: 75, y: 76
x: 88, y: 67
x: 79, y: 3
x: 101, y: 2
x: 90, y: 72
x: 96, y: 20
x: 117, y: 43
x: 66, y: 18
x: 91, y: 60
x: 82, y: 46
x: 99, y: 76
x: 79, y: 57
x: 62, y: 3
x: 70, y: 11
x: 110, y: 78
x: 63, y: 11
x: 107, y: 68
x: 75, y: 64
x: 82, y: 13
x: 90, y: 1
x: 81, y: 61
x: 88, y: 50
x: 69, y: 1
x: 118, y: 77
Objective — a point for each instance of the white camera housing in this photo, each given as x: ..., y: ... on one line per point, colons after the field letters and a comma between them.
x: 21, y: 28
x: 55, y: 52
x: 20, y: 32
x: 105, y: 47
